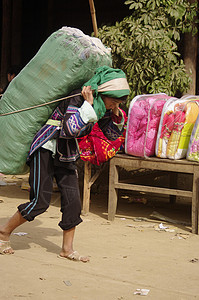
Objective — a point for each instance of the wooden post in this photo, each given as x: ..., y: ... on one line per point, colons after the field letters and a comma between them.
x: 190, y: 58
x: 195, y: 201
x: 173, y: 184
x: 50, y: 20
x: 113, y: 192
x: 93, y: 15
x: 87, y: 188
x: 6, y: 40
x: 16, y: 33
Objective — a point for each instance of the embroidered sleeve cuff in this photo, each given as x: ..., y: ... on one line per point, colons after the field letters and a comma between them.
x: 87, y: 113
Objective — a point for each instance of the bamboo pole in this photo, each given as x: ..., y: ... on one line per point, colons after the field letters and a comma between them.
x: 93, y: 15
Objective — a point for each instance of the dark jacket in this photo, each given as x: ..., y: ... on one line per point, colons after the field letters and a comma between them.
x: 72, y: 127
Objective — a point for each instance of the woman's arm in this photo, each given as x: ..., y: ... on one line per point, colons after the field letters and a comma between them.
x: 79, y: 116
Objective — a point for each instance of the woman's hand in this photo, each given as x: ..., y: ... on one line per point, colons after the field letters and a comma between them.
x: 87, y: 94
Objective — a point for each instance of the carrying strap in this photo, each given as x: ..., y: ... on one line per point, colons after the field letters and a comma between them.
x: 39, y: 105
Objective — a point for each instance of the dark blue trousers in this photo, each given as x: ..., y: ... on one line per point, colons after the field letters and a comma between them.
x: 42, y: 171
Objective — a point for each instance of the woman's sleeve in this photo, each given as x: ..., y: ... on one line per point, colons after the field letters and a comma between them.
x: 78, y: 118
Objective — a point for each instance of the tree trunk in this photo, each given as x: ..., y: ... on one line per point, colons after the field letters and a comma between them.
x: 190, y: 58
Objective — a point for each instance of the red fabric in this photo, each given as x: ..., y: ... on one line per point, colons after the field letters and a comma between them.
x: 96, y: 148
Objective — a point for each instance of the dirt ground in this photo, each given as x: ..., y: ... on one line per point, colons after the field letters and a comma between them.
x: 131, y: 253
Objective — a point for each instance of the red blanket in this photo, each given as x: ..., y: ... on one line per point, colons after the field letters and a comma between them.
x: 96, y: 148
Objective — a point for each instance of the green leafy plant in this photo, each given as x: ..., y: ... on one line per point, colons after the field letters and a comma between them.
x: 144, y: 45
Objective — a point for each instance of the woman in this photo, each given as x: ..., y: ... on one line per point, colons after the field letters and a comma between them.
x: 54, y: 151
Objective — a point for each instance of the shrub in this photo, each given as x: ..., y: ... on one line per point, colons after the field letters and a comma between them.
x: 144, y: 45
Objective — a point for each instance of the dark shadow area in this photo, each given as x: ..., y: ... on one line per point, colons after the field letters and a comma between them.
x: 129, y: 206
x: 132, y: 204
x: 14, y: 191
x: 35, y: 234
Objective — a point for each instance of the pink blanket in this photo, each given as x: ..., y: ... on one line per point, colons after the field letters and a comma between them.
x: 143, y: 122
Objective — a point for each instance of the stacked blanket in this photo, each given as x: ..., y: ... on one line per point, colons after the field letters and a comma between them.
x: 143, y: 121
x: 176, y: 124
x: 193, y: 148
x: 66, y: 60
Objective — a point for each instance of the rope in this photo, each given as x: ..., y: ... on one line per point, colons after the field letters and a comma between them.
x: 39, y: 105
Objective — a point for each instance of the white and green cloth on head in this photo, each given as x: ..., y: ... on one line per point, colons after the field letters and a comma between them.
x: 109, y: 82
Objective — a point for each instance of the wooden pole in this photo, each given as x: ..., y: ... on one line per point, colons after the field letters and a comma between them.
x: 50, y: 17
x: 16, y: 33
x: 5, y: 40
x: 87, y: 187
x: 190, y: 58
x: 93, y: 15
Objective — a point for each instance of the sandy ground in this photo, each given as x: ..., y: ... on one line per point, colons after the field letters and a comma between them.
x: 125, y: 255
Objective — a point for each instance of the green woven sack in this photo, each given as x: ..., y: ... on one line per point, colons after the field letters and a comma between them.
x: 66, y: 60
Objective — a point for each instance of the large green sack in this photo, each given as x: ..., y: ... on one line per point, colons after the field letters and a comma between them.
x: 66, y: 60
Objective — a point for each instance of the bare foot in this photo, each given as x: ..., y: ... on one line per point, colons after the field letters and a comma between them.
x: 74, y: 256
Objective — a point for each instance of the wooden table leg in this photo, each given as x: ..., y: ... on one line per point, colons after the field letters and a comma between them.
x: 87, y: 187
x: 195, y: 201
x: 173, y: 184
x: 112, y: 202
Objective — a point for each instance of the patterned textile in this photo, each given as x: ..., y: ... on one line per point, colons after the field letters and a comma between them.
x: 97, y: 148
x: 46, y: 133
x: 72, y: 125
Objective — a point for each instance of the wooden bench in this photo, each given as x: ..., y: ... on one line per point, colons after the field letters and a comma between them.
x: 153, y: 163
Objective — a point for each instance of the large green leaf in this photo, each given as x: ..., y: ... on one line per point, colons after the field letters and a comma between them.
x: 144, y: 45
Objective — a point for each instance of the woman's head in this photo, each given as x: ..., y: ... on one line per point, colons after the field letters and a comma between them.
x: 110, y: 88
x: 111, y: 103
